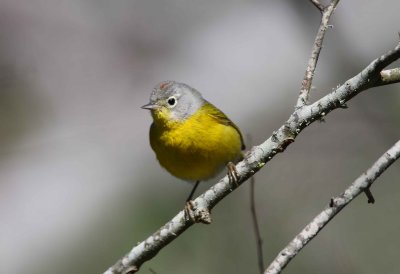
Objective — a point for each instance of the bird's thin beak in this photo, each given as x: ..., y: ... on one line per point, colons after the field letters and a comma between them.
x: 150, y: 106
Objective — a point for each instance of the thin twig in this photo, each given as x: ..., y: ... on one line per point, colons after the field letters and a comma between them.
x: 256, y: 158
x: 370, y: 197
x: 259, y: 241
x: 256, y: 227
x: 318, y: 5
x: 335, y: 206
x: 312, y: 62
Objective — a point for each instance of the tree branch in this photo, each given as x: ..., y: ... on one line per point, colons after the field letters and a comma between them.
x: 256, y: 158
x: 390, y: 76
x: 312, y: 62
x: 318, y: 5
x: 361, y: 184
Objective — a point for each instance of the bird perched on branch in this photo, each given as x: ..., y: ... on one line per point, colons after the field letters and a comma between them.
x: 192, y: 139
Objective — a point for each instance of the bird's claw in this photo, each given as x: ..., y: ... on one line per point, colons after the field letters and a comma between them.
x: 232, y: 174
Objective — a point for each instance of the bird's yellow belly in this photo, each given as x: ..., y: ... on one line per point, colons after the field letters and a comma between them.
x: 196, y: 149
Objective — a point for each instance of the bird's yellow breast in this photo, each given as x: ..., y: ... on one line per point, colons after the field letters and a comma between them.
x: 198, y: 147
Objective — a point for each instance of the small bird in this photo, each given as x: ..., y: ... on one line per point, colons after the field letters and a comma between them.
x: 192, y: 139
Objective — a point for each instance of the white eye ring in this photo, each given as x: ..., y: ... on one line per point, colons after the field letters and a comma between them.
x: 171, y: 101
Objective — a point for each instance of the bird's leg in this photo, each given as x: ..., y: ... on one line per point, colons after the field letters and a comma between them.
x: 193, y: 191
x: 189, y: 214
x: 232, y: 174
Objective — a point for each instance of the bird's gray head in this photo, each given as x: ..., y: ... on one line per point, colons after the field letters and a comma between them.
x: 174, y: 101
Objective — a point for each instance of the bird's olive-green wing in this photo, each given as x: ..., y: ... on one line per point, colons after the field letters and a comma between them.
x: 223, y: 119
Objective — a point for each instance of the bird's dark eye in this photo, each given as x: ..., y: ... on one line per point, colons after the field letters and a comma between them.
x: 171, y: 101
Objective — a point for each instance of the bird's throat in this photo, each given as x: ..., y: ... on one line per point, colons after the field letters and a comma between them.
x: 163, y: 119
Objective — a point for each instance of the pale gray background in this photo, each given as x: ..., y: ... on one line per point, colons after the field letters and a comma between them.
x: 79, y: 184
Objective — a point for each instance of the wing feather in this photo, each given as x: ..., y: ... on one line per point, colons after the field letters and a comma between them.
x: 221, y: 118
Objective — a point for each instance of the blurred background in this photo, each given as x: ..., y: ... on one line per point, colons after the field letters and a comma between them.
x: 80, y: 185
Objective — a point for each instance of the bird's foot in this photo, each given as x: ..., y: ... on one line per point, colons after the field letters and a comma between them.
x: 196, y: 215
x: 232, y: 174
